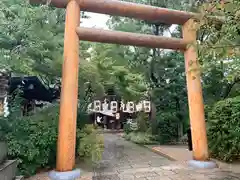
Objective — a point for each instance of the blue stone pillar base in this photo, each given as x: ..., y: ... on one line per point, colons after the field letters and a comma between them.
x: 202, y: 164
x: 68, y: 175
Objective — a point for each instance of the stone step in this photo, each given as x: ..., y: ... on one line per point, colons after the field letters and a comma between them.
x: 8, y: 170
x: 19, y: 178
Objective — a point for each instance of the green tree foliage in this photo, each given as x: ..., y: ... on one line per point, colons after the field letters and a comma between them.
x: 112, y: 66
x: 31, y: 39
x: 224, y: 129
x: 163, y: 70
x: 219, y: 55
x: 219, y: 49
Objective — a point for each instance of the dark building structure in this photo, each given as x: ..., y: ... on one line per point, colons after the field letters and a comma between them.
x: 31, y: 90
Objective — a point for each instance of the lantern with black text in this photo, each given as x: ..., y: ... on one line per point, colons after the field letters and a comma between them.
x: 130, y: 107
x: 114, y: 106
x: 147, y: 106
x: 97, y: 106
x: 123, y: 107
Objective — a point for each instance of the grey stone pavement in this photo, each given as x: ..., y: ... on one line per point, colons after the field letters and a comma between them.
x: 123, y: 160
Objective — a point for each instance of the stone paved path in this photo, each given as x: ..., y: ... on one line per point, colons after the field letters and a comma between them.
x: 123, y: 160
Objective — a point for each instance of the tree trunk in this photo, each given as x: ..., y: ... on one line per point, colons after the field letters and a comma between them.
x: 153, y: 119
x: 180, y: 130
x: 180, y: 118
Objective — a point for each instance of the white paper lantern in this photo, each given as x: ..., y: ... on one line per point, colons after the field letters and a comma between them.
x: 5, y: 107
x: 130, y: 107
x: 117, y: 115
x: 124, y: 107
x: 114, y: 106
x: 97, y: 106
x: 147, y: 106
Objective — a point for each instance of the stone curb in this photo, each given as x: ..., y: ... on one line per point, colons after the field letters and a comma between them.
x: 162, y: 154
x: 220, y: 165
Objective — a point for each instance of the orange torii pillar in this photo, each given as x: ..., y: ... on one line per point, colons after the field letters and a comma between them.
x: 195, y: 99
x: 69, y: 98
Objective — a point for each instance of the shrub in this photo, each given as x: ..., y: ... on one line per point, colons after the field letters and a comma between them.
x: 82, y: 119
x: 127, y: 129
x: 32, y: 139
x: 3, y: 128
x: 142, y: 134
x: 224, y: 129
x: 140, y: 138
x: 167, y: 127
x: 142, y: 122
x: 91, y: 144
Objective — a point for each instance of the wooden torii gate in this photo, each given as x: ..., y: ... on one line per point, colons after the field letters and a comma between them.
x: 69, y: 92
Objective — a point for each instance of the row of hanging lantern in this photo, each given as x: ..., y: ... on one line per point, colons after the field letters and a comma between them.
x: 129, y: 107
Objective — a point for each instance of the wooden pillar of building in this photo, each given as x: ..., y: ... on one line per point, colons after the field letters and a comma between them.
x: 69, y: 91
x: 195, y: 96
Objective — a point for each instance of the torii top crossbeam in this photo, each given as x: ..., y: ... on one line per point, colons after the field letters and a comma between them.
x: 126, y: 9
